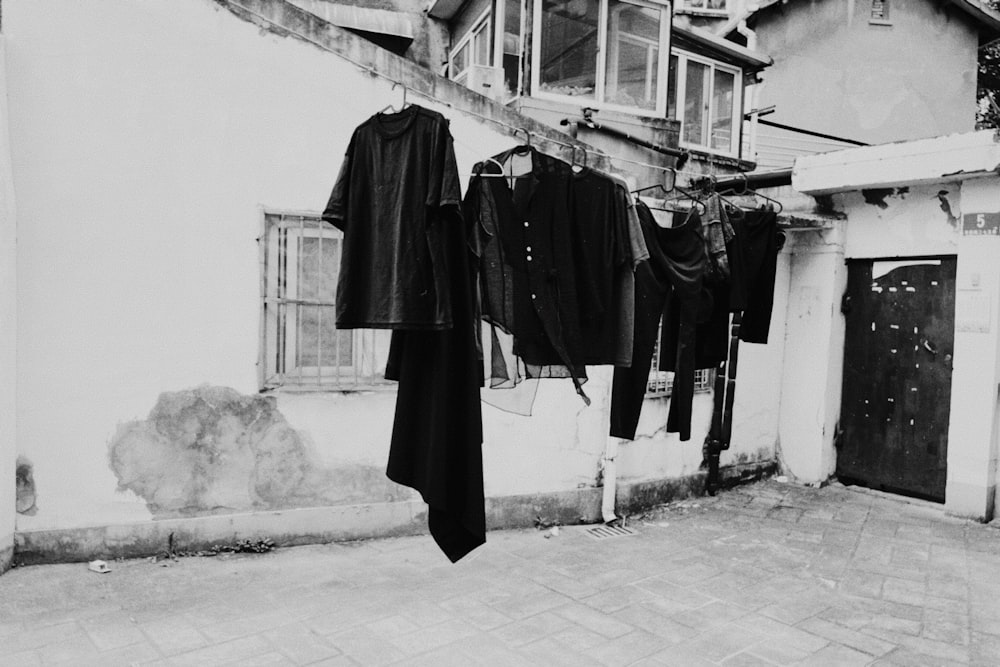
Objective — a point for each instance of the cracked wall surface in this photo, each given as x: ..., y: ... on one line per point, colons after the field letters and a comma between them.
x: 213, y: 450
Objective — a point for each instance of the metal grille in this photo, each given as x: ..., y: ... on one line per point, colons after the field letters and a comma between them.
x: 660, y: 382
x: 301, y: 346
x: 604, y: 532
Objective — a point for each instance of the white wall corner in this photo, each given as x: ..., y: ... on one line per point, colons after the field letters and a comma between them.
x: 8, y: 331
x: 814, y: 335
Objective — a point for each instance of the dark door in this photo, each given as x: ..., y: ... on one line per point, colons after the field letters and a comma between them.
x: 897, y: 375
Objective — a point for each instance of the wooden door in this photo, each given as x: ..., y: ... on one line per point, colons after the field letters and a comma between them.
x: 897, y: 375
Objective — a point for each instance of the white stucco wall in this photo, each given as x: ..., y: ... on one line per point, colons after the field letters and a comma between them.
x: 974, y: 427
x: 145, y: 139
x: 873, y: 83
x: 8, y: 326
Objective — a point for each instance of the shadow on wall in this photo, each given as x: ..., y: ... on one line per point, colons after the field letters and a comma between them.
x: 213, y: 450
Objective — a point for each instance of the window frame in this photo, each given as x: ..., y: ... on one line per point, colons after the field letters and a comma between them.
x: 885, y: 9
x: 686, y: 6
x: 679, y: 91
x: 601, y: 61
x: 280, y: 320
x: 482, y: 25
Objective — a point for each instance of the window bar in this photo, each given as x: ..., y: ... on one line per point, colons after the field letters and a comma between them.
x: 319, y: 309
x: 298, y: 295
x: 281, y: 335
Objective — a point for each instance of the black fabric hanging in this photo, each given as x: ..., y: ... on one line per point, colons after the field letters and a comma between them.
x: 674, y: 271
x: 405, y: 266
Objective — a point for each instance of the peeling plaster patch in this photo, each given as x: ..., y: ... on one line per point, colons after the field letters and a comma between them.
x: 942, y: 196
x: 213, y: 450
x: 25, y: 503
x: 876, y: 196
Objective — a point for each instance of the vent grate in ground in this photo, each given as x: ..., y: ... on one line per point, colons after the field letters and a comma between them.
x: 605, y: 532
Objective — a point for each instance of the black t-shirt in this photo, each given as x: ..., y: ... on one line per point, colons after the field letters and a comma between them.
x: 398, y: 184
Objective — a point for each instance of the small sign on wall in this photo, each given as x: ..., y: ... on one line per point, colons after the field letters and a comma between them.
x: 981, y: 224
x: 972, y: 310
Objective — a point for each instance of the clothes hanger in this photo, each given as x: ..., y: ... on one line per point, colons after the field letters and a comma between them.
x: 526, y: 146
x: 746, y: 191
x: 403, y: 104
x: 480, y: 173
x: 574, y: 165
x: 695, y: 201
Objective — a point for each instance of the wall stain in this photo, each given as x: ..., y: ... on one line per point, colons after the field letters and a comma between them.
x: 213, y: 450
x: 942, y: 197
x: 25, y: 483
x: 877, y: 196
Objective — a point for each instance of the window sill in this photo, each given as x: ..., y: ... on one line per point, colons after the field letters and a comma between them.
x: 719, y: 159
x: 708, y: 13
x: 885, y: 22
x: 387, y: 387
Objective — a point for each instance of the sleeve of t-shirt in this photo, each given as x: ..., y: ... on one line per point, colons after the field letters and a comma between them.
x: 336, y: 207
x: 444, y: 188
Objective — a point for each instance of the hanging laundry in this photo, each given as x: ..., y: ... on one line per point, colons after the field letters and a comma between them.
x: 406, y: 266
x: 397, y: 186
x: 675, y: 269
x: 718, y: 233
x: 604, y: 254
x: 762, y: 240
x: 720, y: 296
x: 528, y: 276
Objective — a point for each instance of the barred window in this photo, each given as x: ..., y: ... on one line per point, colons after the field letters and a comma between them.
x: 660, y: 382
x: 301, y: 346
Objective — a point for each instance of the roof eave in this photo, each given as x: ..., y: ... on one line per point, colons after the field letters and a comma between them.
x: 956, y: 157
x: 750, y: 60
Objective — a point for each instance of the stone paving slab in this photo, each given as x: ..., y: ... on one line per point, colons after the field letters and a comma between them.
x: 766, y: 574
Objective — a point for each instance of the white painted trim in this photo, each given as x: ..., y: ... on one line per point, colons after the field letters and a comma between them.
x: 955, y: 157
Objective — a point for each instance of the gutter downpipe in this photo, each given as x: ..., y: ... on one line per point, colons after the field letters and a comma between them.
x: 609, y: 479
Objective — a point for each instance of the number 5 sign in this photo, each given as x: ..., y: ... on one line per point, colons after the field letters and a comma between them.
x: 981, y: 224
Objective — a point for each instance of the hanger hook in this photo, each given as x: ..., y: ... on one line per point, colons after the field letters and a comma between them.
x: 527, y: 135
x: 673, y: 179
x: 403, y: 85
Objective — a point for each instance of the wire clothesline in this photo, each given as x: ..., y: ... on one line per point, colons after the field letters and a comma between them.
x: 513, y: 129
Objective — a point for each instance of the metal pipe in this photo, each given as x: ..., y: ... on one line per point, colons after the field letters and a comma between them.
x: 751, y: 181
x: 679, y: 153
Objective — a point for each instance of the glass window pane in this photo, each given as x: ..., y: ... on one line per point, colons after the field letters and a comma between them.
x: 320, y: 343
x: 723, y: 98
x: 716, y: 4
x: 672, y: 91
x: 696, y: 104
x: 482, y: 47
x: 460, y: 61
x: 569, y: 47
x: 633, y: 55
x: 511, y: 46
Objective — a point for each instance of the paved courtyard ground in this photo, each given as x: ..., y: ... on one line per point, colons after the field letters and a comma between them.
x: 767, y: 574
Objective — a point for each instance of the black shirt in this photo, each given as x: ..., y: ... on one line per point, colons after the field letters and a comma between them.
x: 527, y: 271
x: 396, y: 184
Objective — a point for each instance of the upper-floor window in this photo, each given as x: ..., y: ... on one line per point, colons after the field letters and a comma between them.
x: 473, y: 48
x: 607, y: 52
x: 301, y: 346
x: 706, y: 97
x: 714, y: 6
x: 880, y: 12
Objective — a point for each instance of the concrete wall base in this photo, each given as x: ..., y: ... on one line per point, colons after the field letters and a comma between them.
x: 319, y: 525
x: 6, y: 558
x: 969, y: 501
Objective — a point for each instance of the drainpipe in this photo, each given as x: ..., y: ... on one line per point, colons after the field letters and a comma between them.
x: 609, y: 479
x: 751, y: 37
